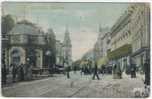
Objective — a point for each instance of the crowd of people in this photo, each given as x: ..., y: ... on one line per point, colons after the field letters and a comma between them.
x: 17, y: 72
x: 23, y: 72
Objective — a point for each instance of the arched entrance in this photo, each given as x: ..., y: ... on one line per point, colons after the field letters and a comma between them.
x: 15, y: 56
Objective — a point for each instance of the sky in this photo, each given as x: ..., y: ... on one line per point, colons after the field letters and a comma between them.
x: 81, y: 19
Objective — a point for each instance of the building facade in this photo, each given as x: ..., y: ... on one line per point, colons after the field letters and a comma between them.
x: 121, y: 39
x: 25, y: 45
x: 101, y: 45
x: 106, y: 43
x: 130, y: 37
x: 140, y: 29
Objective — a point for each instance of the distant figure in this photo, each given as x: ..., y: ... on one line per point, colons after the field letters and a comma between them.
x: 147, y: 72
x: 21, y: 73
x: 95, y: 72
x: 68, y: 70
x: 4, y: 74
x: 29, y: 72
x: 119, y: 72
x: 14, y: 72
x: 75, y: 68
x: 103, y: 69
x: 82, y: 70
x: 133, y: 71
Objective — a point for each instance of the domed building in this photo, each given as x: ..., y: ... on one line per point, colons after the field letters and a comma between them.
x: 26, y: 43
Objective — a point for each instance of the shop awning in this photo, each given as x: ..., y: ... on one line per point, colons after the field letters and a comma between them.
x: 141, y: 50
x: 120, y: 52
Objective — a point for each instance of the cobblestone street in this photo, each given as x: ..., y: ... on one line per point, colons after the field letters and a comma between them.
x: 77, y: 86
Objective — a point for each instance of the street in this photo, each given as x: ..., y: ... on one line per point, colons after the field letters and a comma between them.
x: 76, y: 86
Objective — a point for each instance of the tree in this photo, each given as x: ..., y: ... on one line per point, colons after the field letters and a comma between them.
x: 7, y: 24
x: 26, y: 22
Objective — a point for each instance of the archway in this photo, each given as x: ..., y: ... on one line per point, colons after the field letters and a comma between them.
x: 15, y: 56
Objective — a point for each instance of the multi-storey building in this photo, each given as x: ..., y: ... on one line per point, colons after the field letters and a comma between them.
x: 130, y: 36
x: 25, y: 43
x: 140, y: 29
x: 121, y: 39
x: 106, y: 43
x: 100, y: 44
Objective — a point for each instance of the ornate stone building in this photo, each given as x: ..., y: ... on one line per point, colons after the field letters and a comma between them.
x: 140, y: 29
x: 99, y: 46
x: 130, y: 36
x: 27, y: 43
x: 121, y: 39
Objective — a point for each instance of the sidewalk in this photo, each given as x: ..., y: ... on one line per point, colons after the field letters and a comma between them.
x: 38, y: 77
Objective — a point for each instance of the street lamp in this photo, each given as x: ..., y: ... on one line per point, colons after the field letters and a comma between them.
x: 48, y: 53
x: 28, y: 60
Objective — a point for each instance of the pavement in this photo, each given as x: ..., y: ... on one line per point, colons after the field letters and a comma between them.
x: 76, y: 86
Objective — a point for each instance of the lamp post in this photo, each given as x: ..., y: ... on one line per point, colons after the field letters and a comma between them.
x: 28, y: 61
x: 48, y: 53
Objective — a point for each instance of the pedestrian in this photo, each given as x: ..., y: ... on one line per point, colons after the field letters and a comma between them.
x: 14, y: 72
x: 68, y: 75
x: 4, y: 74
x: 81, y: 70
x: 133, y: 71
x: 119, y: 72
x: 147, y: 72
x: 95, y: 72
x: 67, y: 69
x: 25, y: 71
x: 114, y: 68
x: 20, y: 72
x: 103, y: 69
x: 115, y: 71
x: 28, y: 72
x: 75, y: 68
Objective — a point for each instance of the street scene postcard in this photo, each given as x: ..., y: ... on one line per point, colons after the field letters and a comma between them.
x: 75, y: 49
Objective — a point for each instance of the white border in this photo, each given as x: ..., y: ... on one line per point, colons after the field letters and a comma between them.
x: 150, y: 1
